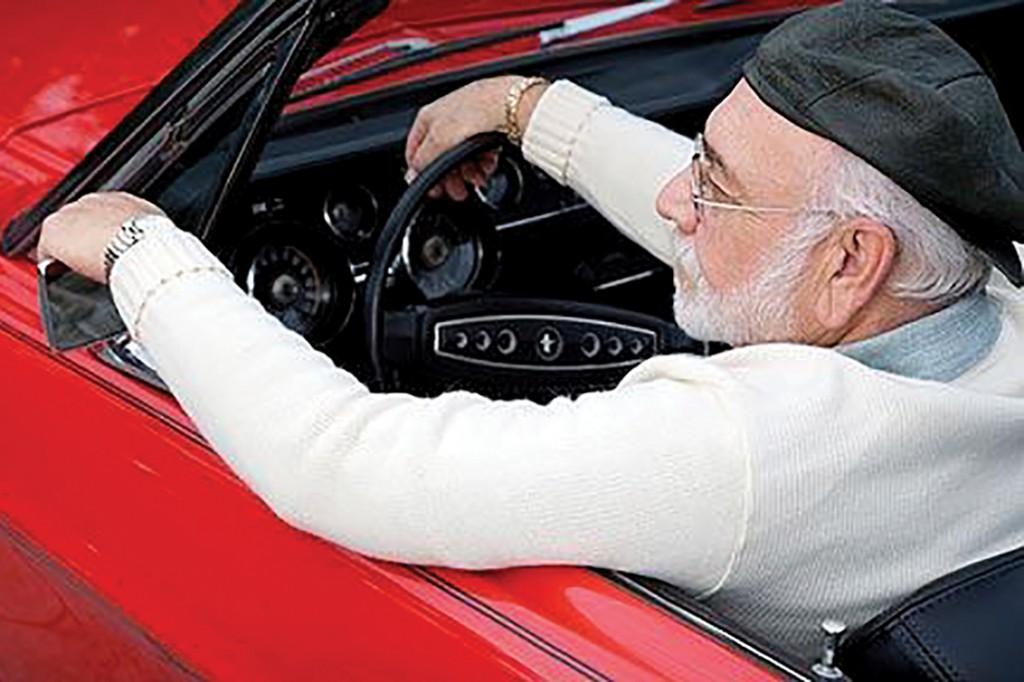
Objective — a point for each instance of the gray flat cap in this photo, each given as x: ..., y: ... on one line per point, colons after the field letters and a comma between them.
x: 899, y: 93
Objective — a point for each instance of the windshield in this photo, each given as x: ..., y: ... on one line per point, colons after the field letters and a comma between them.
x: 409, y: 42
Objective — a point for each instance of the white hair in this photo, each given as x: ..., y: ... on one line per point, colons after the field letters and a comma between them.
x: 933, y: 264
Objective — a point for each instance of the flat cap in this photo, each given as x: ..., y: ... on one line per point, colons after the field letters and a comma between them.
x: 901, y: 94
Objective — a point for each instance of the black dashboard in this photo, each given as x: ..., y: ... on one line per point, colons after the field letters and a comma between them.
x: 310, y: 237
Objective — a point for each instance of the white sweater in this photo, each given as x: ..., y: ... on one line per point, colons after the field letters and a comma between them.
x: 781, y: 483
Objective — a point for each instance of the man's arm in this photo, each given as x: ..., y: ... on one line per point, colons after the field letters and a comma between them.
x: 648, y: 478
x: 617, y: 161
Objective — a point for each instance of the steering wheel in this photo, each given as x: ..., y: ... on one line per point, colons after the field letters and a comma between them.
x: 391, y: 238
x: 582, y: 345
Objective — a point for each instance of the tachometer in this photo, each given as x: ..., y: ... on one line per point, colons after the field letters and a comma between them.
x: 441, y: 253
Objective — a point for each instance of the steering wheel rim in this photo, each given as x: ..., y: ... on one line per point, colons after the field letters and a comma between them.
x: 391, y: 238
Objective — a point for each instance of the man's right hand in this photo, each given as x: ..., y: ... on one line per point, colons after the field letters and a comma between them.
x: 472, y: 109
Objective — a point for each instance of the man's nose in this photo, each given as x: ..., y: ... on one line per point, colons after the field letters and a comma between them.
x: 675, y: 202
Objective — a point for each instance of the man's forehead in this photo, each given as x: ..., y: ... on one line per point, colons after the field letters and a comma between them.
x: 758, y: 145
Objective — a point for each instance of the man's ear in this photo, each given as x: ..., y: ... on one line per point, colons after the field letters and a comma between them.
x: 855, y: 266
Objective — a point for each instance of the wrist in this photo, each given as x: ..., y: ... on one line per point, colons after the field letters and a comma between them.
x: 519, y: 100
x: 132, y: 231
x: 528, y: 104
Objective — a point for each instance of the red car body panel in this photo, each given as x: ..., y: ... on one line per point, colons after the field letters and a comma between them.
x: 129, y: 550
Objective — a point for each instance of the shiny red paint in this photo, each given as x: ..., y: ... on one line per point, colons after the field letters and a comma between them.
x: 81, y: 632
x: 69, y: 71
x: 145, y: 514
x: 120, y: 500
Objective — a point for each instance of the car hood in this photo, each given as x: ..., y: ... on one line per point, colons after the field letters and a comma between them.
x: 60, y: 57
x: 69, y: 72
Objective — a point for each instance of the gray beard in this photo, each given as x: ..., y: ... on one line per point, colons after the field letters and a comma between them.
x: 759, y: 311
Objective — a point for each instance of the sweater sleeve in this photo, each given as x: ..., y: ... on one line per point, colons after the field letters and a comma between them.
x: 615, y: 160
x: 646, y: 478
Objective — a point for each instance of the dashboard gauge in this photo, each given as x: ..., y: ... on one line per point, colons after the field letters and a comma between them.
x: 504, y: 189
x: 439, y: 255
x: 304, y: 281
x: 351, y: 212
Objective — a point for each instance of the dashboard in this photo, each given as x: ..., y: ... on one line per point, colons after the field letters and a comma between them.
x: 310, y: 237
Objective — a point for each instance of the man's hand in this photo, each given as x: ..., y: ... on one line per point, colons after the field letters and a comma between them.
x: 475, y: 108
x: 78, y: 234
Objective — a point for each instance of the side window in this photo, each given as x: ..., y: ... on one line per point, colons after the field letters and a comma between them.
x: 188, y: 188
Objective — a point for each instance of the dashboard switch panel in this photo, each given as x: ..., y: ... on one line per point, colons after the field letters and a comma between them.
x: 543, y: 342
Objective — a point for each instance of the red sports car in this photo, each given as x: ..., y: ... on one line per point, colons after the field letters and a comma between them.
x: 274, y: 129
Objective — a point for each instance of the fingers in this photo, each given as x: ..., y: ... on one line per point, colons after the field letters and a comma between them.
x: 417, y: 133
x: 431, y: 147
x: 44, y: 250
x: 78, y: 233
x: 489, y: 162
x: 455, y: 186
x: 472, y: 173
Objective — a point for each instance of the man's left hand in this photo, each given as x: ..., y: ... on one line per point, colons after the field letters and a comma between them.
x: 78, y: 234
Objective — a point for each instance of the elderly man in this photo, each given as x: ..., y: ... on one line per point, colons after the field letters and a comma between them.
x: 848, y: 198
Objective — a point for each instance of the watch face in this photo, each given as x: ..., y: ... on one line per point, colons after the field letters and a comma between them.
x: 132, y: 230
x: 148, y: 220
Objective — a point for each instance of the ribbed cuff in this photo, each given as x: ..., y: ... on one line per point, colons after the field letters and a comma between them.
x: 555, y: 126
x: 164, y: 255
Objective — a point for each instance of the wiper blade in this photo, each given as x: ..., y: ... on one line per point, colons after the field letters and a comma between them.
x: 399, y: 46
x: 548, y: 33
x: 570, y: 28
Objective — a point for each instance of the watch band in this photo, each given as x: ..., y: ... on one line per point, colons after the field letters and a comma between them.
x: 131, y: 233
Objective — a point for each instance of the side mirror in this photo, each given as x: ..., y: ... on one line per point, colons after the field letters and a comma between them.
x: 75, y: 310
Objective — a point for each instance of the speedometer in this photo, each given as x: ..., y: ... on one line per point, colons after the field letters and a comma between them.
x: 289, y: 285
x: 302, y: 279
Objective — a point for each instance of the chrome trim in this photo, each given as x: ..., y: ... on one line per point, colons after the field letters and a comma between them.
x: 127, y: 357
x: 625, y: 280
x: 400, y: 45
x: 541, y: 216
x: 710, y: 627
x: 374, y: 218
x: 571, y: 28
x: 538, y: 367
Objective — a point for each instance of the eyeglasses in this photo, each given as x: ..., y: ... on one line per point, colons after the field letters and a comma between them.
x: 699, y: 189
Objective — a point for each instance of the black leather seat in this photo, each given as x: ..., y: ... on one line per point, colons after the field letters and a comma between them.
x: 967, y: 626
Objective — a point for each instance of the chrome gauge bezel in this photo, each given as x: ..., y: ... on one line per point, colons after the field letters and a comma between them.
x: 504, y: 161
x: 406, y: 260
x: 468, y: 217
x: 361, y: 233
x: 329, y: 262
